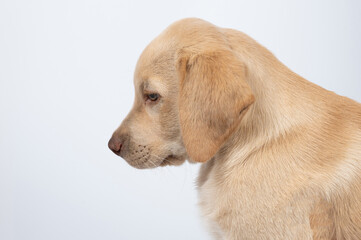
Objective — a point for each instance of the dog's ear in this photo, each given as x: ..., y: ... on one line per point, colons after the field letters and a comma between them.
x: 213, y: 97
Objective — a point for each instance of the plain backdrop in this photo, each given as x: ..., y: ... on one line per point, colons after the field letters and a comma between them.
x: 66, y: 70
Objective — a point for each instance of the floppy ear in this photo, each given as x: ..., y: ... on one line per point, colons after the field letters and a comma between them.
x: 213, y: 96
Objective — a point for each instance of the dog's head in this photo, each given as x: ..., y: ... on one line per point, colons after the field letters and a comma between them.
x: 190, y: 94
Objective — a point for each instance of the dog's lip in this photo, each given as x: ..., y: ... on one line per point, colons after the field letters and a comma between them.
x: 169, y: 157
x: 164, y: 162
x: 176, y: 160
x: 141, y: 164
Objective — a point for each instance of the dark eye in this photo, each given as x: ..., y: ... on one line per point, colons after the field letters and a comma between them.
x: 153, y: 97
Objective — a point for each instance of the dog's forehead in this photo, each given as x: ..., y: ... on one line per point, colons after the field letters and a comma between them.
x: 157, y: 59
x: 178, y: 35
x: 148, y: 69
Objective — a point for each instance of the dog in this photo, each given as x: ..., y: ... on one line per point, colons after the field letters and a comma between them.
x: 281, y: 156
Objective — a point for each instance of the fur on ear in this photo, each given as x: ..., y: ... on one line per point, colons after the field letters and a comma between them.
x: 213, y: 95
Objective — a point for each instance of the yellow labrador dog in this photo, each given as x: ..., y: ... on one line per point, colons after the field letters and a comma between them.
x: 281, y: 157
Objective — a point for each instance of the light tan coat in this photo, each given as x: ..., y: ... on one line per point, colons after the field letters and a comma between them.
x: 281, y: 156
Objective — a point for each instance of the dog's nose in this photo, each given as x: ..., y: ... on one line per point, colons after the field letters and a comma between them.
x: 115, y: 144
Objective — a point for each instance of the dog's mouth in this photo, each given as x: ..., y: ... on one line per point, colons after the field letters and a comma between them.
x: 172, y: 160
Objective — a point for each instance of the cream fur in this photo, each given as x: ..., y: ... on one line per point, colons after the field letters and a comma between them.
x: 282, y: 156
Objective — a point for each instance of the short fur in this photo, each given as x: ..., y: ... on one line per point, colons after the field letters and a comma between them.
x: 281, y: 156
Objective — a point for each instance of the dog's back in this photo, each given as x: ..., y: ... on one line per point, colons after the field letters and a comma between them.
x: 345, y: 198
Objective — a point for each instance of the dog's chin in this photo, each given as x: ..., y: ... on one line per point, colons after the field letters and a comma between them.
x: 170, y: 160
x: 144, y: 164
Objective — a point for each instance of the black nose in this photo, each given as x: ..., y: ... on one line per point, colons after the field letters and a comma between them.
x: 115, y: 144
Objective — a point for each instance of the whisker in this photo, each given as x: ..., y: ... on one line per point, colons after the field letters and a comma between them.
x: 156, y: 156
x: 165, y: 160
x: 150, y: 161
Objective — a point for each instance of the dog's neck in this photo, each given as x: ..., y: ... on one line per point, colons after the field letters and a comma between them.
x: 275, y: 110
x: 274, y: 114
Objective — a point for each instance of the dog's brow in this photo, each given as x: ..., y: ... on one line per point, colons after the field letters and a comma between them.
x: 144, y: 85
x: 152, y: 85
x: 147, y: 85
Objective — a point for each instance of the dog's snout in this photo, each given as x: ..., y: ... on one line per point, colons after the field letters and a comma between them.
x: 115, y: 144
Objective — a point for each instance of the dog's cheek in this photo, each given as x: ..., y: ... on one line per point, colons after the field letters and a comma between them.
x: 169, y: 123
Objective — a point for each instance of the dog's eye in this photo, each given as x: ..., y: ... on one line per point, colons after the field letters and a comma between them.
x: 153, y: 97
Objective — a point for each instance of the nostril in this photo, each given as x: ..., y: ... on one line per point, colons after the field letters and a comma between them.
x: 119, y: 148
x: 115, y: 145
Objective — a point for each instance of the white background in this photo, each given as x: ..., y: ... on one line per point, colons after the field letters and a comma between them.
x: 66, y: 71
